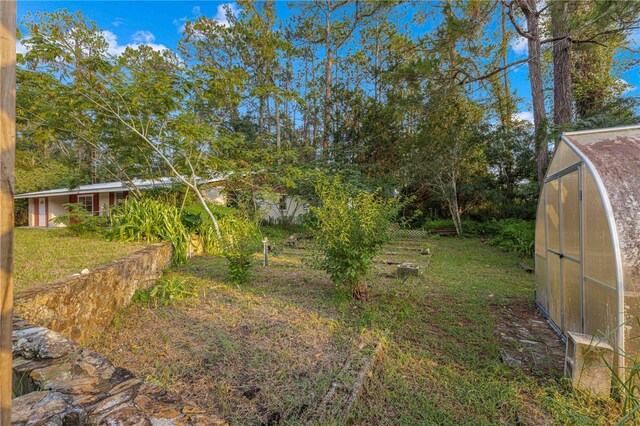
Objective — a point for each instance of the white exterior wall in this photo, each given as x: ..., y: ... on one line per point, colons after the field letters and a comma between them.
x: 295, y: 208
x: 56, y: 209
x: 32, y: 213
x: 104, y: 202
x: 214, y: 194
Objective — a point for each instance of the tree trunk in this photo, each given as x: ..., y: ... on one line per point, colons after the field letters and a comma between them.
x: 562, y: 95
x: 328, y: 67
x: 276, y: 106
x: 535, y: 80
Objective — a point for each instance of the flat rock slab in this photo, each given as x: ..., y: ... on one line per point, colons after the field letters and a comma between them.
x: 529, y: 342
x: 76, y: 386
x: 407, y: 269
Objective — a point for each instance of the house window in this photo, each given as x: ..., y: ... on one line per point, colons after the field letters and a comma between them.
x: 283, y: 203
x: 87, y: 202
x: 119, y: 197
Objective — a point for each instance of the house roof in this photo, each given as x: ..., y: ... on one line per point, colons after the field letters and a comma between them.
x: 111, y: 187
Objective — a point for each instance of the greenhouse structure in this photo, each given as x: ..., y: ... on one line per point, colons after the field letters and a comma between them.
x: 587, y: 242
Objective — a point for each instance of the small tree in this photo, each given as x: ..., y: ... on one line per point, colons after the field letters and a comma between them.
x: 240, y: 241
x: 349, y: 229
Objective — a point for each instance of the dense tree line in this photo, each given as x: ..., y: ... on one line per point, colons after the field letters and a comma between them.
x: 347, y: 87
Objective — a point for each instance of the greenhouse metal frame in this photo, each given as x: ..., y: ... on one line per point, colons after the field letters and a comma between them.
x: 587, y: 243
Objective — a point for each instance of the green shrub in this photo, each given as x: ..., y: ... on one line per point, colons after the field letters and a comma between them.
x: 81, y: 222
x: 241, y: 239
x: 166, y: 291
x: 514, y: 235
x: 350, y: 228
x: 150, y: 220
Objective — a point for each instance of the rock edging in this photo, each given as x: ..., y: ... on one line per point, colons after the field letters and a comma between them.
x: 64, y: 383
x: 80, y: 305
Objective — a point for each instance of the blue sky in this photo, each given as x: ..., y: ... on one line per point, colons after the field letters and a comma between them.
x: 158, y: 23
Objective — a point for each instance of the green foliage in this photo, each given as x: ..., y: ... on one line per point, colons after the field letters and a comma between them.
x: 195, y: 213
x: 350, y: 229
x: 150, y: 220
x: 166, y: 291
x: 513, y: 235
x: 241, y: 239
x: 516, y: 236
x: 81, y: 222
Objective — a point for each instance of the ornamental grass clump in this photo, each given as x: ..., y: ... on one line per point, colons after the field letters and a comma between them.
x: 350, y: 227
x: 150, y: 220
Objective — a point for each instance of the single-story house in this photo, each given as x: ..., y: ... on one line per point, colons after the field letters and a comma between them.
x: 44, y: 206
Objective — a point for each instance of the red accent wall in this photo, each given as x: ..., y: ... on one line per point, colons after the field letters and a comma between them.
x: 96, y: 204
x: 73, y: 198
x: 112, y: 199
x: 125, y: 194
x: 36, y: 212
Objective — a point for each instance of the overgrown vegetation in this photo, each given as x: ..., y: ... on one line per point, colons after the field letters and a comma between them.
x: 165, y: 292
x: 79, y: 221
x: 150, y: 220
x: 349, y: 228
x: 283, y: 341
x: 240, y: 241
x: 513, y: 235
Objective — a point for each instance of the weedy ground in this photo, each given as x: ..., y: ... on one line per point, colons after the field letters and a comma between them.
x: 267, y: 352
x: 44, y: 255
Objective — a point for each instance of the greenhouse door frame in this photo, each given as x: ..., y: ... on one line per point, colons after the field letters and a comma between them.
x: 560, y: 252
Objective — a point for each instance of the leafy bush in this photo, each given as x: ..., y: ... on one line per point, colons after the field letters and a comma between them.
x: 81, y: 222
x: 351, y: 226
x: 515, y: 235
x: 241, y: 239
x: 166, y: 291
x: 150, y: 220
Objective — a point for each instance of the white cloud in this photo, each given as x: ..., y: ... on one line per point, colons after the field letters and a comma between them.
x: 628, y: 87
x: 20, y: 48
x: 143, y: 37
x: 139, y: 38
x: 180, y: 23
x: 523, y: 116
x: 519, y: 45
x: 118, y: 22
x: 221, y: 14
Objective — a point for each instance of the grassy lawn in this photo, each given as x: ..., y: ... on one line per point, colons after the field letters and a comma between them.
x: 268, y: 352
x: 44, y: 255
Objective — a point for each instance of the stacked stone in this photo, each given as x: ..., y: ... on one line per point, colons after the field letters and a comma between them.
x: 59, y: 382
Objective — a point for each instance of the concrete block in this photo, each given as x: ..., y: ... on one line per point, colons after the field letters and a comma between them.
x: 586, y: 363
x: 407, y: 269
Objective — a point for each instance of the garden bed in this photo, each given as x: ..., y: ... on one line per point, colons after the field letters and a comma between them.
x: 271, y: 351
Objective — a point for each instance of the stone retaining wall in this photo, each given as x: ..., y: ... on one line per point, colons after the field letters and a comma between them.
x: 57, y: 382
x: 81, y: 305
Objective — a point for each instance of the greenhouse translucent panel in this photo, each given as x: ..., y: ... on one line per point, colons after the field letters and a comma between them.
x: 564, y: 157
x: 570, y: 199
x: 598, y: 249
x: 600, y: 309
x: 572, y: 283
x: 555, y: 291
x: 541, y: 248
x: 542, y: 287
x: 553, y: 218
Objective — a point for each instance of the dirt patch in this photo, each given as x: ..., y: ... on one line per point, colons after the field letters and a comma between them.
x: 529, y: 341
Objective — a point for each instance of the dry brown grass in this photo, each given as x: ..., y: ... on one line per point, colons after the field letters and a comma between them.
x: 255, y: 356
